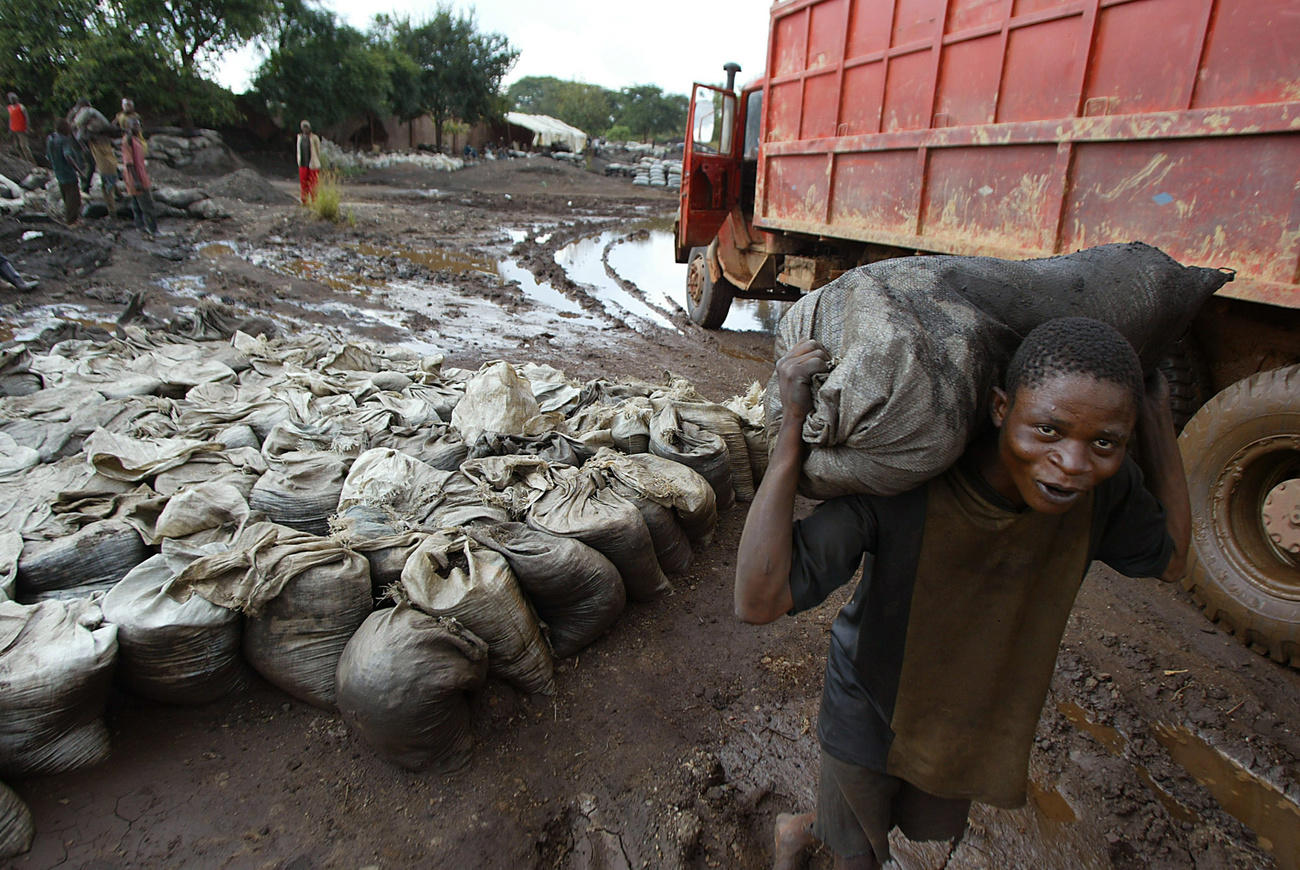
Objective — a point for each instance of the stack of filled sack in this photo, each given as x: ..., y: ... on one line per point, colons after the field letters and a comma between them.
x: 368, y: 529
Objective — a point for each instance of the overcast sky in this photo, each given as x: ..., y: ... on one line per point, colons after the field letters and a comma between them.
x: 669, y: 43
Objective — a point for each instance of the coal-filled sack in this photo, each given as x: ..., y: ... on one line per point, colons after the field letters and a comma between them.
x: 554, y: 447
x: 302, y: 597
x: 56, y: 664
x: 512, y: 483
x: 671, y: 484
x: 672, y: 547
x: 386, y: 478
x: 433, y: 445
x: 630, y: 428
x: 451, y: 575
x: 16, y: 829
x: 11, y: 547
x: 90, y: 560
x: 581, y: 506
x: 696, y: 448
x: 171, y: 651
x: 918, y: 340
x: 403, y: 685
x: 575, y: 590
x: 497, y: 399
x: 727, y: 425
x: 301, y: 490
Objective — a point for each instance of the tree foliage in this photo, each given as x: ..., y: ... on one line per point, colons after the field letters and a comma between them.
x: 459, y: 68
x: 324, y: 71
x: 643, y: 110
x: 193, y: 30
x: 38, y: 40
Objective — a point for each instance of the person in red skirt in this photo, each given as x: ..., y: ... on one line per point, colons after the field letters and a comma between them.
x: 308, y: 162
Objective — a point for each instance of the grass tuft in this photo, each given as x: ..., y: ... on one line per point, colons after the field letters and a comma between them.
x: 327, y: 204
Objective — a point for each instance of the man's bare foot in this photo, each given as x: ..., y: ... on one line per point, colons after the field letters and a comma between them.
x: 792, y: 835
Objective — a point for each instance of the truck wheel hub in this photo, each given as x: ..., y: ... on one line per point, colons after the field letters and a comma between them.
x: 695, y: 279
x: 1281, y: 516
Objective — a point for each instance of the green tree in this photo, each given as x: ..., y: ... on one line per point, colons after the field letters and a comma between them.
x: 460, y: 68
x: 587, y: 107
x: 118, y: 63
x: 648, y: 112
x: 38, y: 38
x: 324, y: 71
x: 193, y: 31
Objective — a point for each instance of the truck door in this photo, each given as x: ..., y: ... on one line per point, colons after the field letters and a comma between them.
x: 710, y: 168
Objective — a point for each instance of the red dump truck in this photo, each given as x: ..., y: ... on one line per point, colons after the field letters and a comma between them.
x: 1026, y: 128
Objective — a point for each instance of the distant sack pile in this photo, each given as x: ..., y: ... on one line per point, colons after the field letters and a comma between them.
x: 369, y: 530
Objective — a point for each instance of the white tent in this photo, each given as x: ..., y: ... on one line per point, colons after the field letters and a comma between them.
x: 548, y: 131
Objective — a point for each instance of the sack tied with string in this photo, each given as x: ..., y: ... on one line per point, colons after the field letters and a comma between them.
x: 404, y: 680
x: 576, y: 591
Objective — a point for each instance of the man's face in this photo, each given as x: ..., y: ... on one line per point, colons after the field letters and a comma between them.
x: 1059, y: 439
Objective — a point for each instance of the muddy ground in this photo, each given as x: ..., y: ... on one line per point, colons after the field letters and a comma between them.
x: 676, y: 739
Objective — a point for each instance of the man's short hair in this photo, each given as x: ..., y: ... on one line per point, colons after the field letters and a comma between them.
x: 1075, y: 346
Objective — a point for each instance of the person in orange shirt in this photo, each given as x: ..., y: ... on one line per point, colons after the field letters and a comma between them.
x: 19, y: 127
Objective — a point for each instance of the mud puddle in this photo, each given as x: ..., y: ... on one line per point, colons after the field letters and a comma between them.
x: 1256, y: 803
x: 644, y: 258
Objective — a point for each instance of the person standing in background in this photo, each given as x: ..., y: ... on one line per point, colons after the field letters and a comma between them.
x: 136, y: 175
x: 128, y: 114
x: 94, y: 130
x: 65, y: 159
x: 308, y: 162
x: 19, y: 127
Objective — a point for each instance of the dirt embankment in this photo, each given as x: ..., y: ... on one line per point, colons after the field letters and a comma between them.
x: 676, y: 738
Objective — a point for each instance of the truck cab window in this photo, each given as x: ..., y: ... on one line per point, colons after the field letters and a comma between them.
x: 753, y: 123
x: 714, y: 122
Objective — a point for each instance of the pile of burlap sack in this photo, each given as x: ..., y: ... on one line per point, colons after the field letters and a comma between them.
x: 369, y: 530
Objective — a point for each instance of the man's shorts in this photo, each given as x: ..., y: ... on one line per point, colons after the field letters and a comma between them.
x: 857, y: 808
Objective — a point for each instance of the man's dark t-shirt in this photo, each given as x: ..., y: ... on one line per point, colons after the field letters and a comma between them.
x: 940, y: 662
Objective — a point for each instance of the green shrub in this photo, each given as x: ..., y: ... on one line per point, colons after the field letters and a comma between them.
x: 327, y: 204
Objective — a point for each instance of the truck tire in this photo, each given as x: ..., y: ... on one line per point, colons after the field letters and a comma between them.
x: 1242, y: 454
x: 1185, y: 370
x: 707, y: 301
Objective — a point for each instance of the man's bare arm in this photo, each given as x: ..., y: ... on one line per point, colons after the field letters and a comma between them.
x: 762, y: 592
x: 1162, y: 466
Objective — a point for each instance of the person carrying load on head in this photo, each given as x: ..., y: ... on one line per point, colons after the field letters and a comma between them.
x: 20, y: 127
x: 95, y: 131
x: 940, y: 662
x: 308, y: 152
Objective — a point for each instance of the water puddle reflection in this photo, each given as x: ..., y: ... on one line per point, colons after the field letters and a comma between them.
x: 583, y: 262
x: 1257, y: 804
x: 1273, y: 817
x: 434, y: 259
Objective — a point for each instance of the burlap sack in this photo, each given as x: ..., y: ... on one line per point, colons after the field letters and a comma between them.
x: 451, y: 575
x: 403, y: 684
x: 56, y: 660
x: 581, y: 506
x: 576, y: 591
x: 302, y: 597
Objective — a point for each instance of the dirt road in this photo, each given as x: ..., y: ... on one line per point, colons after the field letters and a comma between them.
x: 676, y: 739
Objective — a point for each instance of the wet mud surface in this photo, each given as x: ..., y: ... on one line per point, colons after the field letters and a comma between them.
x: 676, y: 739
